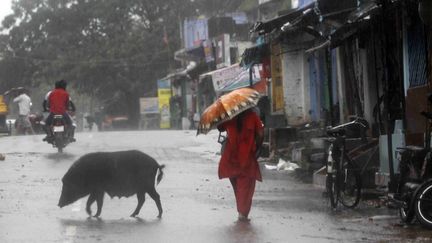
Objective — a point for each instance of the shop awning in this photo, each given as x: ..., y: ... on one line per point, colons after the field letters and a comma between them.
x: 353, y: 22
x: 276, y: 23
x: 254, y: 54
x: 363, y: 11
x: 182, y: 73
x: 195, y: 54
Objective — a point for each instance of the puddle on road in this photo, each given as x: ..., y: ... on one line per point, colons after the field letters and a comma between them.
x: 60, y: 156
x: 108, y: 225
x: 242, y: 232
x: 321, y: 237
x: 19, y: 154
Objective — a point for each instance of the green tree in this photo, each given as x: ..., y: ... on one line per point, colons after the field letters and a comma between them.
x: 112, y: 49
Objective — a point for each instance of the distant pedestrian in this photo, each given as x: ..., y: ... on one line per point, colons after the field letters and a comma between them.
x: 239, y: 163
x: 23, y: 124
x: 196, y: 119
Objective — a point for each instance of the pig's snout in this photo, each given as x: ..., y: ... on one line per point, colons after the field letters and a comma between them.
x: 61, y: 202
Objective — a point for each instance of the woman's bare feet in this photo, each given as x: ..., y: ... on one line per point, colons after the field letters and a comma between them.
x: 243, y: 218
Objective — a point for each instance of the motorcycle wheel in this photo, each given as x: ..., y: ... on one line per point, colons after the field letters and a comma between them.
x: 59, y: 143
x: 423, y: 205
x: 332, y: 189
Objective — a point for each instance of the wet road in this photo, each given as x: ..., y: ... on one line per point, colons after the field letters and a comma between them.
x: 198, y: 207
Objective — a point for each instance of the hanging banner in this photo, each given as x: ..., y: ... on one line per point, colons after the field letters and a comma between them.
x: 222, y: 45
x: 277, y: 83
x: 242, y: 79
x: 208, y: 51
x: 222, y: 77
x: 164, y: 95
x: 235, y: 77
x: 195, y: 30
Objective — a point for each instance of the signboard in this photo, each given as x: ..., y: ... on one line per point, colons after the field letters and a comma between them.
x: 224, y: 76
x: 222, y: 45
x: 243, y: 79
x: 208, y: 51
x: 277, y: 82
x: 149, y: 105
x: 3, y: 106
x: 164, y: 95
x: 195, y: 31
x: 233, y: 77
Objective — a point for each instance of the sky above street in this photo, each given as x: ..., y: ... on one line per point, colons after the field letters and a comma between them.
x: 5, y: 8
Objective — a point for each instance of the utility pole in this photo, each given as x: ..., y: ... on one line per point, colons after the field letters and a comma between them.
x: 387, y: 61
x: 329, y: 83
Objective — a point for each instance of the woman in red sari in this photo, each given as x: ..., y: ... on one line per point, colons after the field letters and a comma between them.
x: 239, y: 161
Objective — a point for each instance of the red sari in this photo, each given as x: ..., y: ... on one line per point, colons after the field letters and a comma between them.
x: 238, y: 161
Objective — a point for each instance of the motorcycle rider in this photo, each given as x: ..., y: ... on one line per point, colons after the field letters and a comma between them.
x: 58, y: 102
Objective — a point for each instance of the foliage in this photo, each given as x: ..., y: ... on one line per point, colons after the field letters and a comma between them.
x: 114, y: 50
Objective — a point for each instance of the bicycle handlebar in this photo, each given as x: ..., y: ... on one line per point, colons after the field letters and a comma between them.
x: 357, y: 121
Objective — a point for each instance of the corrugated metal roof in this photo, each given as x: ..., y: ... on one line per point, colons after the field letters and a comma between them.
x: 278, y: 22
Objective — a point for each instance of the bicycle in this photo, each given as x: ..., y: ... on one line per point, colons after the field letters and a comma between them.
x: 413, y: 195
x: 343, y: 182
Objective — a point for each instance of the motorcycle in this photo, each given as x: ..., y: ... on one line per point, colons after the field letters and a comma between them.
x: 61, y: 133
x: 413, y: 196
x: 35, y: 121
x: 90, y: 122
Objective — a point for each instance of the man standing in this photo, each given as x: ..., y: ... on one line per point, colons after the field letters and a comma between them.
x: 24, y: 104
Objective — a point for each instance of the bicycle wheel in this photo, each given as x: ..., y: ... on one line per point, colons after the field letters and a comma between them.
x: 423, y: 205
x: 350, y: 184
x: 332, y: 189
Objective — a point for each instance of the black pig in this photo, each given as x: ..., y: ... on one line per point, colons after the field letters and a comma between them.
x: 120, y: 174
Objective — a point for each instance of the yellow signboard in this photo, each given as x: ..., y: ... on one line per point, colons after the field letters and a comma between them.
x: 276, y: 74
x: 164, y: 96
x: 3, y: 106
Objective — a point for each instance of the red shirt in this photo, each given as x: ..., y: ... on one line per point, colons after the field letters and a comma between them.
x: 238, y: 158
x: 58, y: 101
